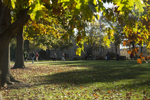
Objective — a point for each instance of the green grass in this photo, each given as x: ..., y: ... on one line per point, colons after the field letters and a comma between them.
x: 81, y: 80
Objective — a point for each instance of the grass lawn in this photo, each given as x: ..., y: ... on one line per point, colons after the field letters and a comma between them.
x: 81, y: 80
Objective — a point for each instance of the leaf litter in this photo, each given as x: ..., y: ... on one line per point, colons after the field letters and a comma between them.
x: 49, y: 82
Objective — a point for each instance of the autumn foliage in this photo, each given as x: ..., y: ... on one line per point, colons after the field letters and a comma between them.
x: 135, y: 25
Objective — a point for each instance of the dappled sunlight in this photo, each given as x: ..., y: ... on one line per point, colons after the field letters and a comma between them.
x: 81, y: 79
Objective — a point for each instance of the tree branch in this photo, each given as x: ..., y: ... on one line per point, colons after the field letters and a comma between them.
x: 14, y: 28
x: 0, y: 4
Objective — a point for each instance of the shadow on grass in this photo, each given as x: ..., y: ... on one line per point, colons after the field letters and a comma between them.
x: 88, y: 63
x: 96, y: 72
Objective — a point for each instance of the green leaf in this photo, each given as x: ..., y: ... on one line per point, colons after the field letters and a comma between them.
x: 78, y: 6
x: 78, y: 51
x: 134, y: 29
x: 112, y: 38
x: 139, y: 5
x: 38, y: 11
x: 120, y: 6
x: 108, y: 43
x: 13, y: 3
x: 63, y: 1
x: 104, y: 39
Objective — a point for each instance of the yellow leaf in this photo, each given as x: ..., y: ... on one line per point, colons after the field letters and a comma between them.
x: 13, y: 3
x: 139, y: 61
x: 140, y: 54
x: 129, y: 52
x: 124, y: 43
x: 78, y: 51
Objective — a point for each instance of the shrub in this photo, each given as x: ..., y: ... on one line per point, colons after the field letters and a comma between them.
x: 100, y: 58
x: 112, y: 55
x: 122, y: 57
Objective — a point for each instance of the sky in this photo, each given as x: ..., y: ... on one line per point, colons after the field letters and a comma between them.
x: 108, y: 5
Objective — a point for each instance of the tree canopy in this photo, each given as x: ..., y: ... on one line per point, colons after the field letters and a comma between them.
x: 75, y: 13
x: 45, y: 15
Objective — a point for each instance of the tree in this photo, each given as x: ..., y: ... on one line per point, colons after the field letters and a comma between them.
x: 48, y: 41
x: 117, y: 42
x: 65, y: 44
x: 37, y: 9
x: 6, y: 74
x: 19, y: 61
x: 8, y: 30
x: 94, y: 36
x: 72, y: 13
x: 52, y: 38
x: 13, y: 48
x: 135, y: 23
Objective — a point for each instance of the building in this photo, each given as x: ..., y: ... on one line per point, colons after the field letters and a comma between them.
x: 124, y: 52
x: 96, y: 52
x: 103, y: 51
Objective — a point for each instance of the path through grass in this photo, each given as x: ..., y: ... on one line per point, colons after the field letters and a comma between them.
x: 81, y: 80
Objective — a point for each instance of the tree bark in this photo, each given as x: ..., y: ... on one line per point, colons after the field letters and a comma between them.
x: 6, y: 73
x: 27, y: 45
x: 7, y: 33
x: 19, y: 61
x: 5, y: 22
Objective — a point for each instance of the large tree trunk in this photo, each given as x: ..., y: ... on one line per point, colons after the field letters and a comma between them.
x: 5, y: 22
x: 26, y: 45
x: 19, y: 61
x: 7, y: 33
x: 6, y: 73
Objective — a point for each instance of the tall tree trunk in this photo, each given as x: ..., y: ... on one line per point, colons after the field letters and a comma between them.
x: 27, y: 45
x: 116, y: 49
x: 5, y: 22
x: 6, y: 73
x: 8, y: 31
x: 19, y: 61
